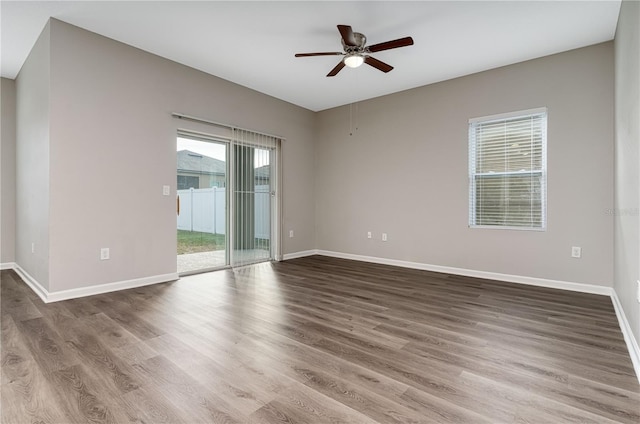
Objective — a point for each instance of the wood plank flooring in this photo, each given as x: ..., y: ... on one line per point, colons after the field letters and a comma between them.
x: 316, y: 340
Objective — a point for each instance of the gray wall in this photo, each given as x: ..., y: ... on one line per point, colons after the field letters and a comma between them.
x: 7, y: 171
x: 32, y: 161
x: 113, y: 147
x: 404, y: 171
x: 627, y: 160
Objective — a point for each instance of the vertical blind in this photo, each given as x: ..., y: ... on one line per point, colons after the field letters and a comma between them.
x: 253, y: 185
x: 507, y: 170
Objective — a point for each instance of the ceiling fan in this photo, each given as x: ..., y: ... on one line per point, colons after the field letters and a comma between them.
x: 356, y: 53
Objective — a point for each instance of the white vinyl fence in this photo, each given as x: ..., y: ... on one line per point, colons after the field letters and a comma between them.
x: 203, y: 210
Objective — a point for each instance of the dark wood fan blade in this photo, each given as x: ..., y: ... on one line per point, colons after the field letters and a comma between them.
x: 378, y: 64
x: 347, y: 35
x: 319, y: 54
x: 394, y: 44
x: 337, y: 69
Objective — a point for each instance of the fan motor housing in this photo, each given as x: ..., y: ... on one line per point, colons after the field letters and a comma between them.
x: 360, y: 39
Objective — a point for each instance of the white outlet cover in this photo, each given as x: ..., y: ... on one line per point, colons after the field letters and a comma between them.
x: 384, y: 236
x: 576, y: 252
x: 166, y: 190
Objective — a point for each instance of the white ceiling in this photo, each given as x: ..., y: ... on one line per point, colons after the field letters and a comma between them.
x: 253, y: 43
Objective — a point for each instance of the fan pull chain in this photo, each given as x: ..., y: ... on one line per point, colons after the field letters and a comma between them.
x: 351, y: 118
x: 357, y: 107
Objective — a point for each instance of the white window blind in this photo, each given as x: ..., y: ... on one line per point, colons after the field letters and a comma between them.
x: 254, y: 188
x: 507, y: 170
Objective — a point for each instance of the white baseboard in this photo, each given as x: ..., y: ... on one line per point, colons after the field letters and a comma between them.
x: 540, y: 282
x: 7, y: 265
x: 301, y: 254
x: 56, y: 296
x: 32, y: 282
x: 630, y: 340
x: 110, y: 287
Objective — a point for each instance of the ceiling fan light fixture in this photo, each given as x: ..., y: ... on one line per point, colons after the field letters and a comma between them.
x: 356, y: 52
x: 353, y: 60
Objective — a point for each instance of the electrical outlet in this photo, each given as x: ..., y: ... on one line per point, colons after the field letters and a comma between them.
x: 33, y: 248
x: 369, y: 234
x: 384, y: 236
x: 576, y: 252
x: 165, y: 190
x: 104, y: 253
x: 290, y: 233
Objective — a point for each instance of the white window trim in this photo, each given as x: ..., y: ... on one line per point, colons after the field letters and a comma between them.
x: 507, y: 115
x: 543, y: 171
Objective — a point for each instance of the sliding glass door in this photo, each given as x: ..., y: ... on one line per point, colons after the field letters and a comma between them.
x: 226, y: 208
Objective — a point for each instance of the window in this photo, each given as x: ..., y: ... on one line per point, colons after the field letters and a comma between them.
x: 508, y: 170
x: 186, y: 182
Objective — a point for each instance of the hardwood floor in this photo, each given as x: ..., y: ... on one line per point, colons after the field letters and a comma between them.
x: 318, y: 340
